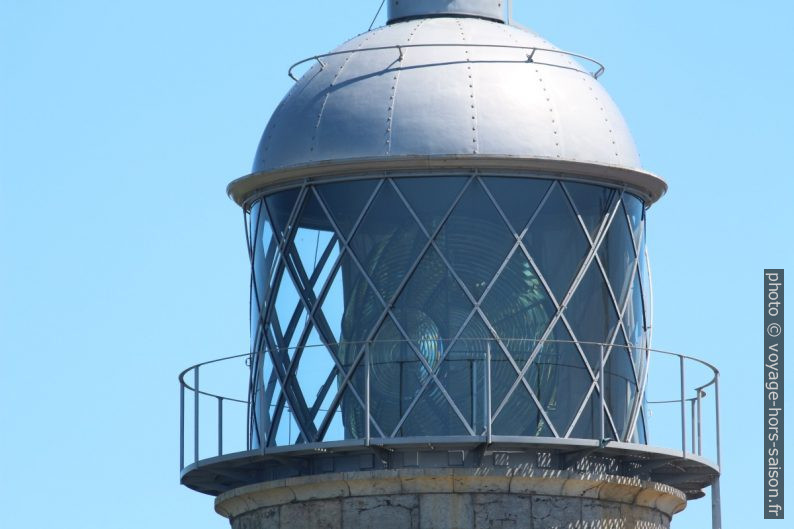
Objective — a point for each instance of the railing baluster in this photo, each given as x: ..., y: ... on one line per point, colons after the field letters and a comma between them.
x: 602, y: 391
x: 220, y: 426
x: 694, y: 429
x: 700, y: 431
x: 717, y: 409
x: 683, y: 405
x: 489, y: 434
x: 181, y: 425
x: 196, y: 415
x: 366, y: 381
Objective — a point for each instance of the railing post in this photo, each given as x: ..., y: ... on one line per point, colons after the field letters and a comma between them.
x: 683, y: 405
x: 700, y: 422
x: 261, y: 405
x: 196, y: 414
x: 602, y: 391
x: 181, y: 424
x: 367, y: 397
x: 692, y: 425
x: 248, y: 407
x: 717, y: 408
x: 489, y: 433
x: 220, y: 426
x: 716, y: 502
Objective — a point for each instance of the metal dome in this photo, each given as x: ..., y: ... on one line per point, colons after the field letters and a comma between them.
x: 460, y: 87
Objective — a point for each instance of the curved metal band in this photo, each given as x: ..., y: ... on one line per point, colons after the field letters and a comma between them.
x: 531, y: 50
x: 647, y: 185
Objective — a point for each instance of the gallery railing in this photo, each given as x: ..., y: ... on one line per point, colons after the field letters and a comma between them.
x: 216, y: 406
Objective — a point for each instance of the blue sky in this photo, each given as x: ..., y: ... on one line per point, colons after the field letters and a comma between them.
x: 122, y: 261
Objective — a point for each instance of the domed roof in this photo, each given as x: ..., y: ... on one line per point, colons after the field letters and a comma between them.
x: 448, y: 86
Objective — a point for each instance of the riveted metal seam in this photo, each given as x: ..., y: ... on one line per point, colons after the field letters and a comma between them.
x: 393, y: 95
x: 347, y: 58
x: 472, y: 93
x: 607, y: 124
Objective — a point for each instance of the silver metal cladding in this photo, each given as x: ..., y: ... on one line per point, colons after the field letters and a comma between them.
x: 451, y: 87
x: 402, y: 9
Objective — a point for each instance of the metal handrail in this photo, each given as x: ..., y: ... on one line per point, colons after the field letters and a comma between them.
x: 400, y: 47
x: 695, y: 402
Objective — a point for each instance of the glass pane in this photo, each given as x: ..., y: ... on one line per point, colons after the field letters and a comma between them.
x: 640, y: 432
x: 307, y: 248
x: 265, y: 264
x: 589, y: 424
x: 329, y: 253
x: 559, y: 378
x: 621, y: 387
x: 346, y: 200
x: 314, y: 369
x: 633, y: 317
x: 298, y: 406
x: 617, y: 257
x: 351, y: 414
x: 432, y: 414
x: 557, y: 243
x: 388, y: 242
x: 396, y: 377
x: 336, y: 429
x: 645, y: 279
x: 634, y: 210
x: 592, y: 203
x: 265, y: 386
x: 289, y: 319
x: 327, y: 393
x: 432, y: 306
x: 517, y: 197
x: 518, y: 307
x: 475, y: 240
x: 430, y: 197
x: 362, y: 308
x: 520, y: 416
x: 331, y: 313
x: 591, y: 312
x: 280, y: 206
x: 463, y: 372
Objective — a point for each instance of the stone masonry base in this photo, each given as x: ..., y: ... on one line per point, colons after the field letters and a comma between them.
x: 452, y: 499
